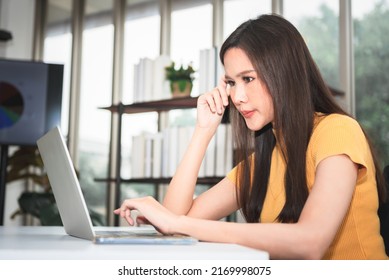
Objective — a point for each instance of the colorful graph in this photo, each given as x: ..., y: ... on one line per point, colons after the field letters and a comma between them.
x: 11, y: 105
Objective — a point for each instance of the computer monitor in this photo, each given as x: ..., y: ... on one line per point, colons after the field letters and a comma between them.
x: 30, y: 100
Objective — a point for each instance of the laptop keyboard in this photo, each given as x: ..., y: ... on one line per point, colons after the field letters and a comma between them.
x: 115, y: 233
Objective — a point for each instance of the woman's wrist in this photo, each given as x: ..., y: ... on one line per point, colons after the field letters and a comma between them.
x: 205, y: 131
x: 179, y: 227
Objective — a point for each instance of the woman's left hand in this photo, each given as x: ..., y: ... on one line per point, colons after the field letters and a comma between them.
x: 152, y: 212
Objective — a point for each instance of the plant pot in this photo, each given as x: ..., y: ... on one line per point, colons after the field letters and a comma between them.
x: 181, y: 88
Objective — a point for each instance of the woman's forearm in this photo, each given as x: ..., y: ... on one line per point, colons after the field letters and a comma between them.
x: 179, y: 195
x: 281, y: 241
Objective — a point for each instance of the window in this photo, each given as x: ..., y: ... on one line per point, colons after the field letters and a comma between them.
x: 371, y: 60
x: 57, y: 48
x: 237, y: 11
x: 141, y: 40
x: 96, y: 91
x: 318, y: 22
x: 186, y: 45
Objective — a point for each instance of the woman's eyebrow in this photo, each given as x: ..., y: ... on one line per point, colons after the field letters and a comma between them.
x: 240, y: 74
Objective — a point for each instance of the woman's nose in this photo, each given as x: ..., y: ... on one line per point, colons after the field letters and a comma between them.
x: 240, y: 95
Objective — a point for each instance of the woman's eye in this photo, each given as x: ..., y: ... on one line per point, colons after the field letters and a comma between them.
x: 248, y: 79
x: 230, y: 83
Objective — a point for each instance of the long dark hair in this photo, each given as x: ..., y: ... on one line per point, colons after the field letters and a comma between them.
x: 284, y: 64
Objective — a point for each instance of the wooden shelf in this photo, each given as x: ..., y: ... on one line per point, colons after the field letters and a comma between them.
x: 154, y: 106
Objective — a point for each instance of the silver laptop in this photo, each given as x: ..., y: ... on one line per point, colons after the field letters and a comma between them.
x: 71, y: 203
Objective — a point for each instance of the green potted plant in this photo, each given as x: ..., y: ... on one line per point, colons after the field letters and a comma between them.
x: 181, y: 79
x: 26, y: 164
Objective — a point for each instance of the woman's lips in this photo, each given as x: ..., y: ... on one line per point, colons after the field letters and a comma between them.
x: 247, y: 114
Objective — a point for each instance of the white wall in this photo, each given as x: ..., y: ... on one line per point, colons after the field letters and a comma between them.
x: 16, y: 16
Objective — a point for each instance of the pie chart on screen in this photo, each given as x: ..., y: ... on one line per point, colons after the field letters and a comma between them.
x: 11, y: 105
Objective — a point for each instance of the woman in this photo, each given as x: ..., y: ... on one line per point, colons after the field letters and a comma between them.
x: 306, y: 182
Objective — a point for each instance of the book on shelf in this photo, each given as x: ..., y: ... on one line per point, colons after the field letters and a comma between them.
x: 210, y: 158
x: 210, y: 69
x: 165, y: 153
x: 158, y: 155
x: 138, y: 156
x: 220, y: 151
x: 172, y: 153
x: 148, y: 162
x: 229, y: 149
x: 161, y: 87
x: 149, y: 79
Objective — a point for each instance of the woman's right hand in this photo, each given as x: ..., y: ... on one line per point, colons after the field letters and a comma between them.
x: 211, y: 106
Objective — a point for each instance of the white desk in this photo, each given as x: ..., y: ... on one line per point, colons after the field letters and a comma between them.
x: 42, y: 243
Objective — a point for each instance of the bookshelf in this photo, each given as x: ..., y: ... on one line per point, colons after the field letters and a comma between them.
x: 144, y: 107
x: 154, y: 106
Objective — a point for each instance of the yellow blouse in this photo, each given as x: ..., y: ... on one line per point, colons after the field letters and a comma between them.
x: 359, y: 235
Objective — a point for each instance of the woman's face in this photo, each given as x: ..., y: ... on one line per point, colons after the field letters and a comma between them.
x: 249, y: 95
